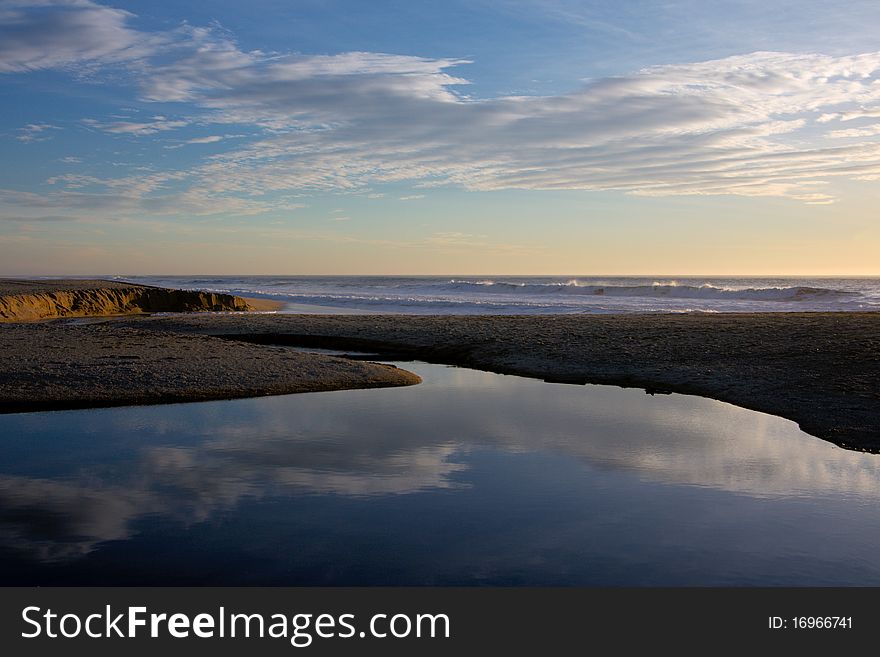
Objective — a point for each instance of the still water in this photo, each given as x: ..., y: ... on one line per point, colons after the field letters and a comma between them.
x: 470, y: 478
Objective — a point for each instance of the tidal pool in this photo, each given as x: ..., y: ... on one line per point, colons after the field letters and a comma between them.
x: 470, y: 478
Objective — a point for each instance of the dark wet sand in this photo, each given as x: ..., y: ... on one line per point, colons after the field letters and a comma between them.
x: 821, y: 370
x: 63, y: 365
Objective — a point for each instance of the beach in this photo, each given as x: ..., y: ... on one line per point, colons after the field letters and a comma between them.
x: 817, y: 369
x: 378, y: 465
x: 412, y: 297
x: 50, y: 366
x: 65, y: 363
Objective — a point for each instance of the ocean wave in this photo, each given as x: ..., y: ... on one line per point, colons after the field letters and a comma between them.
x: 541, y: 295
x: 672, y: 290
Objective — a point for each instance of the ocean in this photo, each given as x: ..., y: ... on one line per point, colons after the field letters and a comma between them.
x: 505, y: 295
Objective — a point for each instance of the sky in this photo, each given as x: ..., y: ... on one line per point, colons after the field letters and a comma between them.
x: 553, y: 137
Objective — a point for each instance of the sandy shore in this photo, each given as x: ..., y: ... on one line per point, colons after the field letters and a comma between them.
x: 58, y: 365
x: 75, y: 364
x: 30, y: 300
x: 821, y: 370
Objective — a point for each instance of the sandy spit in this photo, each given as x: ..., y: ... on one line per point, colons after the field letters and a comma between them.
x: 64, y: 365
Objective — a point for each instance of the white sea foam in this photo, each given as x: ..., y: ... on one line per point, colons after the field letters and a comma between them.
x: 541, y: 295
x: 658, y: 289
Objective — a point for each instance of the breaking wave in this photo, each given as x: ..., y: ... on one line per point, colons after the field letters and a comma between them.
x: 670, y: 290
x: 540, y: 295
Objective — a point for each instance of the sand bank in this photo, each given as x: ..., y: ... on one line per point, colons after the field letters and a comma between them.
x: 22, y: 300
x: 821, y: 370
x: 56, y: 365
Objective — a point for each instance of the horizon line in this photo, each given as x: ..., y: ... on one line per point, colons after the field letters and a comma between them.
x: 439, y: 275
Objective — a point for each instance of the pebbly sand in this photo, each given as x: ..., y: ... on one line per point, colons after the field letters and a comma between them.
x: 56, y: 365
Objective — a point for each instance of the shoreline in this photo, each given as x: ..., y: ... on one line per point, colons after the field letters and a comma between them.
x: 58, y: 365
x: 256, y: 304
x: 820, y: 370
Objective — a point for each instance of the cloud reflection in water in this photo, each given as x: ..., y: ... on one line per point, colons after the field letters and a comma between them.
x: 74, y: 480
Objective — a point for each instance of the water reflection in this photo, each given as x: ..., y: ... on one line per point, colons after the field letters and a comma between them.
x: 57, y: 520
x: 73, y: 481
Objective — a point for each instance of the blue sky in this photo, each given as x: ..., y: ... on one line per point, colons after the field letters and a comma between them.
x: 490, y: 136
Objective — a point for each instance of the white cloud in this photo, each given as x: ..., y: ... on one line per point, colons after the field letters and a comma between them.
x: 292, y: 90
x: 35, y: 132
x: 158, y: 124
x: 63, y: 33
x: 850, y: 116
x: 205, y: 140
x: 869, y: 131
x: 729, y: 126
x: 77, y: 196
x: 741, y: 125
x: 211, y: 139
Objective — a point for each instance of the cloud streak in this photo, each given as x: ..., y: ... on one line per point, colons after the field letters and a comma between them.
x: 156, y: 124
x: 737, y: 125
x: 44, y: 34
x: 35, y: 132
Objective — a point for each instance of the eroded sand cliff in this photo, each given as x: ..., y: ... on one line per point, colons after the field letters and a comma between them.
x: 34, y: 300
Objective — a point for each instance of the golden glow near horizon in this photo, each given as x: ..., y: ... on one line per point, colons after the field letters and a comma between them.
x: 676, y: 240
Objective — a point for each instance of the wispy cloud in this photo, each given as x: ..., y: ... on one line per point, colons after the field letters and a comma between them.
x: 850, y: 116
x: 442, y: 242
x: 730, y: 126
x: 156, y: 124
x: 205, y: 140
x: 78, y: 196
x: 744, y: 125
x: 35, y: 132
x: 41, y: 34
x: 869, y: 131
x: 212, y: 139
